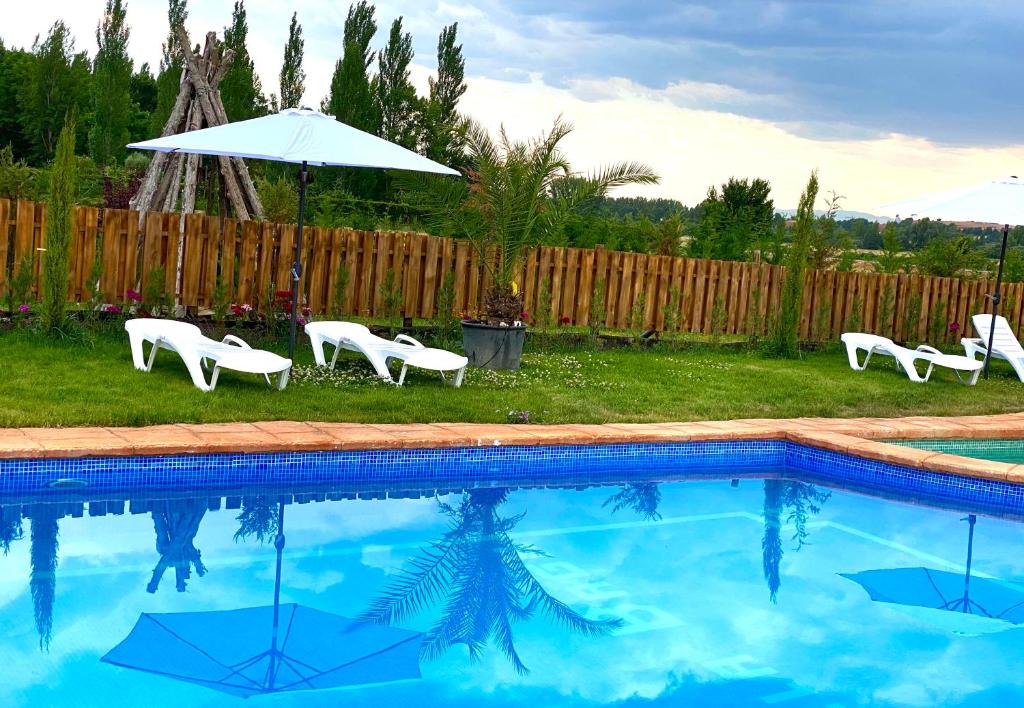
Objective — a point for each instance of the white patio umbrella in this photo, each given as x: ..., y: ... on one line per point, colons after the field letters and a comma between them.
x: 304, y: 137
x: 1000, y: 201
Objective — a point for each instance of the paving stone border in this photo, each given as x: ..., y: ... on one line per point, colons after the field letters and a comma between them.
x: 855, y: 436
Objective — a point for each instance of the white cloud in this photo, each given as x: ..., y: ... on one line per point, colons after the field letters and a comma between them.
x: 693, y: 149
x: 616, y: 119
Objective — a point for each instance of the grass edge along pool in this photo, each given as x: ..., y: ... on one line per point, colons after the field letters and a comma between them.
x: 482, y: 466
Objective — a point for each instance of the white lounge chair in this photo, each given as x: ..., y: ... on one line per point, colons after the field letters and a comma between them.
x: 906, y: 359
x: 1004, y: 345
x: 358, y: 338
x: 197, y: 351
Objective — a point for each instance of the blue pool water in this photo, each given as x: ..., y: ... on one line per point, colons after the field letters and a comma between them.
x: 1011, y: 450
x: 708, y: 579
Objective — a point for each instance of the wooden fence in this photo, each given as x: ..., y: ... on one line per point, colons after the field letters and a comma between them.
x: 639, y: 290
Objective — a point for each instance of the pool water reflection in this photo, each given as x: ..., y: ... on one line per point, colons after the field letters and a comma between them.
x: 656, y: 592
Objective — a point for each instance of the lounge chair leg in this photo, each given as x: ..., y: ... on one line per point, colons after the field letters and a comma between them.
x: 334, y: 359
x: 459, y: 376
x: 152, y: 355
x: 213, y: 379
x: 401, y: 376
x: 282, y: 379
x: 317, y: 343
x: 973, y: 379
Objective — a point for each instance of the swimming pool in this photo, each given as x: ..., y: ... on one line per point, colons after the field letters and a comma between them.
x: 704, y: 574
x: 997, y: 450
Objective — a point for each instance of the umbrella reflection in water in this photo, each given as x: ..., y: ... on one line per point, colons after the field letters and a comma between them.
x: 958, y: 602
x: 271, y: 649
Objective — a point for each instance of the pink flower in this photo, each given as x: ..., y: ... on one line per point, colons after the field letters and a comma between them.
x: 113, y: 309
x: 24, y: 309
x: 954, y: 327
x: 133, y: 295
x: 246, y: 308
x: 307, y: 312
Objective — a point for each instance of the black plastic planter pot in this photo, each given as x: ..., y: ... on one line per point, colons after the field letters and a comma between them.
x: 491, y: 347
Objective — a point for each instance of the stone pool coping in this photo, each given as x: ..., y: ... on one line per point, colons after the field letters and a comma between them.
x: 856, y: 436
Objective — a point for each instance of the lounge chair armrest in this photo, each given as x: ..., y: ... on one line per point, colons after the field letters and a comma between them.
x: 237, y: 341
x: 973, y: 346
x: 928, y: 349
x: 406, y: 339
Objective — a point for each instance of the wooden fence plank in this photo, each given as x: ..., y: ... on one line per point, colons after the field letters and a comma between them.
x: 227, y: 273
x: 585, y: 288
x: 699, y: 290
x: 318, y: 268
x: 462, y: 256
x: 412, y: 284
x: 248, y: 291
x: 432, y: 275
x: 195, y: 227
x: 82, y: 257
x: 570, y: 288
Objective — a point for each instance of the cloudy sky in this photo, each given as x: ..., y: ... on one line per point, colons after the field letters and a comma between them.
x: 888, y: 100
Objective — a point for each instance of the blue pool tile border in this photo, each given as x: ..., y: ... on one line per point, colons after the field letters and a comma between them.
x: 898, y: 480
x: 505, y: 465
x: 472, y: 464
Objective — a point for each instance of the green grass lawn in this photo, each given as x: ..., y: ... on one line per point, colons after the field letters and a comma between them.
x: 46, y: 383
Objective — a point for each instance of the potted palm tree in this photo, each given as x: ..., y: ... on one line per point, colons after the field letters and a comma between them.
x: 519, y: 194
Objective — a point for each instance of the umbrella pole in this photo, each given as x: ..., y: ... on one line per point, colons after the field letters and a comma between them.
x: 971, y: 519
x: 297, y: 264
x: 279, y: 545
x: 995, y: 300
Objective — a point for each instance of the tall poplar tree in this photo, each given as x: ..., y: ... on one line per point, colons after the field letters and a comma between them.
x: 240, y: 90
x: 444, y: 134
x: 172, y: 63
x: 60, y: 202
x: 785, y: 339
x: 351, y: 99
x: 57, y: 83
x: 397, y: 103
x: 15, y: 68
x: 292, y: 76
x: 112, y: 75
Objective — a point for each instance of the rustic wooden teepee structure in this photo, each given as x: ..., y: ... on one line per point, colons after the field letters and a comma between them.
x: 170, y: 182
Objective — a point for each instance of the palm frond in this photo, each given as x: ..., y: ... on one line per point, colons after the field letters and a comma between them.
x: 554, y: 608
x: 423, y: 580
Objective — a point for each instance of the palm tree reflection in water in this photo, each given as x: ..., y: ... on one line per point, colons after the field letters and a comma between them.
x: 477, y: 573
x: 802, y: 500
x: 641, y: 497
x: 259, y: 518
x: 176, y: 527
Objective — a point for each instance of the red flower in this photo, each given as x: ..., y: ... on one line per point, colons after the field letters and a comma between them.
x: 237, y: 310
x: 954, y: 327
x: 566, y: 320
x: 133, y: 295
